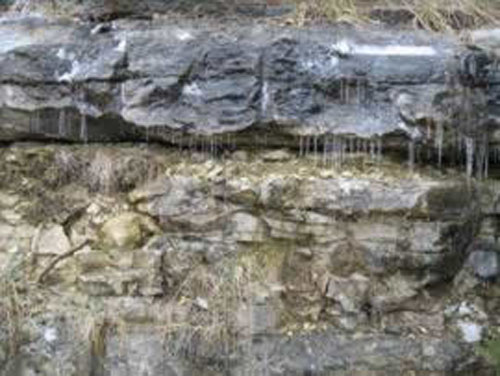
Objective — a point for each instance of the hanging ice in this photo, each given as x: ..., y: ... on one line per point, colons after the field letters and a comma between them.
x: 469, y: 151
x: 438, y: 142
x: 372, y: 149
x: 379, y: 149
x: 36, y: 122
x: 61, y: 126
x: 411, y: 154
x: 325, y: 143
x: 83, y: 128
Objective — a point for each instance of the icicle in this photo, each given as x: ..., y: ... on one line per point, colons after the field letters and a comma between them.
x: 190, y: 143
x: 325, y: 143
x: 202, y: 144
x: 315, y: 147
x: 486, y: 164
x: 61, y: 127
x: 486, y: 158
x: 469, y: 150
x: 438, y: 142
x: 339, y: 152
x: 361, y: 88
x: 342, y: 91
x: 358, y: 92
x: 418, y: 154
x: 347, y: 92
x: 83, y: 128
x: 351, y: 145
x: 344, y: 149
x: 301, y: 146
x: 36, y: 125
x: 428, y: 138
x: 333, y: 151
x: 307, y: 146
x: 411, y: 154
x: 372, y: 150
x: 359, y: 146
x: 379, y: 149
x: 196, y: 144
x: 482, y: 158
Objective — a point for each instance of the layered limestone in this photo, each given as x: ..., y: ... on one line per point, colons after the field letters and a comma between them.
x: 205, y: 266
x: 292, y: 202
x: 173, y: 81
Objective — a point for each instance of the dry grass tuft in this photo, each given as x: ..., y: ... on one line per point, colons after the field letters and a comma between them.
x: 336, y: 10
x: 16, y: 307
x: 111, y: 172
x: 447, y: 15
x: 212, y: 333
x: 434, y: 15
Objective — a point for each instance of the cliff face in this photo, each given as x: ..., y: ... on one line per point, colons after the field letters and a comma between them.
x: 181, y: 199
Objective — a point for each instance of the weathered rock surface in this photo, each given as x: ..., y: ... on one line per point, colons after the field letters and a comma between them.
x: 70, y: 81
x: 219, y: 258
x: 240, y: 267
x: 485, y: 264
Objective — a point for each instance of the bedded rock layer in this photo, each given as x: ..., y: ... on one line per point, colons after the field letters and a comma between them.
x: 247, y: 265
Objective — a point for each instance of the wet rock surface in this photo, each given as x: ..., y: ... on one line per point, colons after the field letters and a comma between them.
x: 77, y: 81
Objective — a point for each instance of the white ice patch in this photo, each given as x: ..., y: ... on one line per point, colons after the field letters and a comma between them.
x: 315, y: 65
x: 69, y: 76
x: 97, y: 29
x: 343, y: 47
x: 471, y: 332
x: 184, y: 35
x: 394, y: 50
x: 464, y: 310
x: 122, y: 46
x: 192, y: 90
x: 414, y: 133
x: 61, y: 54
x: 50, y: 335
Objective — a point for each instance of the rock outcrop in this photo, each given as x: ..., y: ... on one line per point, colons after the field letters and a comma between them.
x: 204, y: 266
x: 170, y: 82
x: 295, y: 202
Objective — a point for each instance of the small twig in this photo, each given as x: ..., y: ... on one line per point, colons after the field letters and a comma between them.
x: 59, y: 258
